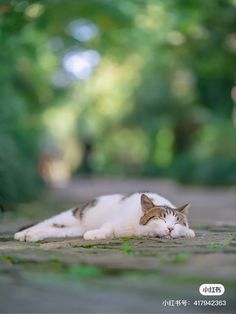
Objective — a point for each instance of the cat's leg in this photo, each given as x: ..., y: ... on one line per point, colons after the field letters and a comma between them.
x: 182, y: 231
x: 37, y: 234
x: 106, y: 231
x: 110, y: 230
x: 62, y: 225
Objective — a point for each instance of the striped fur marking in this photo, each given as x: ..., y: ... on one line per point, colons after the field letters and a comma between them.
x: 153, y: 212
x: 161, y: 212
x: 78, y: 212
x: 58, y: 226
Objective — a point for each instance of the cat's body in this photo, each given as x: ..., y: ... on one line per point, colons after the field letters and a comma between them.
x: 115, y: 215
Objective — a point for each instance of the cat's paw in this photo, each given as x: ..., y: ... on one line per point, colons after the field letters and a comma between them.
x: 190, y: 233
x: 20, y: 236
x: 28, y: 235
x: 95, y: 235
x: 182, y: 232
x: 33, y: 236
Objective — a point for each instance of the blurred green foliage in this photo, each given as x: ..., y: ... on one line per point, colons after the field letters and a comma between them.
x: 146, y: 83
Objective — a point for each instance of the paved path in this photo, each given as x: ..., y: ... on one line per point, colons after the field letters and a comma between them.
x: 122, y: 275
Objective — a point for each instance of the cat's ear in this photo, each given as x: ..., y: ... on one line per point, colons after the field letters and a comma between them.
x: 146, y: 203
x: 184, y: 209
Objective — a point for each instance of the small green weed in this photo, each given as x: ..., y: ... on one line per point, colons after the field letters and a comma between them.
x: 215, y: 245
x: 84, y: 271
x: 126, y: 248
x: 179, y: 258
x: 7, y: 259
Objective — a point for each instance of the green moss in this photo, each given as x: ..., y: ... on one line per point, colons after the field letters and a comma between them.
x: 215, y: 245
x: 179, y: 258
x: 219, y: 245
x: 98, y: 246
x: 6, y: 259
x: 54, y: 265
x: 128, y: 238
x: 86, y: 246
x: 6, y: 237
x: 84, y: 271
x: 127, y: 249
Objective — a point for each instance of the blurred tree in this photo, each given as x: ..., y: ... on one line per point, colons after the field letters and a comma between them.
x: 148, y: 82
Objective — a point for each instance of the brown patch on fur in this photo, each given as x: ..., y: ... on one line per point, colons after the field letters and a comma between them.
x: 181, y: 218
x: 78, y: 212
x: 153, y: 212
x: 58, y: 226
x: 161, y: 212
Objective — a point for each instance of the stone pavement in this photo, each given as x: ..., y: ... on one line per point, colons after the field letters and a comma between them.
x: 121, y: 275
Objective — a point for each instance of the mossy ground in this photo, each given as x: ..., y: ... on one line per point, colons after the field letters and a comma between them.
x: 127, y: 275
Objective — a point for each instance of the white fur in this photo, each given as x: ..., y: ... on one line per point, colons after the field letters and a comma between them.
x: 112, y: 216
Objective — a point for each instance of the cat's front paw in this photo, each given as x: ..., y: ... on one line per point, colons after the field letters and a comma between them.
x: 28, y: 235
x: 95, y: 235
x: 20, y: 236
x: 190, y: 233
x: 182, y: 232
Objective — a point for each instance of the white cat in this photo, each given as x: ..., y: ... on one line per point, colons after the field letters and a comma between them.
x: 113, y: 216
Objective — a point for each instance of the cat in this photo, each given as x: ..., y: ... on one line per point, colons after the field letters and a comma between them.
x: 116, y: 215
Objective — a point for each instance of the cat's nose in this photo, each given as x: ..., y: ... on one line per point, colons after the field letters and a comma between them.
x: 170, y: 229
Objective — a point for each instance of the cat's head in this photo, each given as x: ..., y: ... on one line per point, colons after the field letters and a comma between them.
x: 161, y: 218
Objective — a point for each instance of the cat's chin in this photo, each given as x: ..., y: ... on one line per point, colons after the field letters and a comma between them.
x: 167, y: 236
x: 164, y: 236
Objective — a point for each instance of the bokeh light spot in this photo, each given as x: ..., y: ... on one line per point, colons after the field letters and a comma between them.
x: 82, y: 30
x: 81, y: 63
